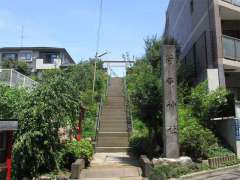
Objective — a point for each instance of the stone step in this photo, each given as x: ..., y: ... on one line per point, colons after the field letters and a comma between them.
x: 122, y: 104
x: 114, y: 126
x: 112, y: 142
x: 113, y: 122
x: 120, y: 96
x: 108, y: 117
x: 113, y: 110
x: 113, y: 115
x: 112, y: 149
x: 113, y: 119
x: 106, y: 172
x: 123, y: 125
x: 113, y: 129
x: 115, y: 107
x: 113, y: 134
x: 115, y: 102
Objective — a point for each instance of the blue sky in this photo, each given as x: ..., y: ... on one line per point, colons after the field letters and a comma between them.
x: 73, y: 24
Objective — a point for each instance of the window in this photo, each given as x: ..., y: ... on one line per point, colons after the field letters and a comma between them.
x: 48, y: 58
x: 2, y: 141
x: 26, y: 56
x: 9, y: 56
x: 191, y: 6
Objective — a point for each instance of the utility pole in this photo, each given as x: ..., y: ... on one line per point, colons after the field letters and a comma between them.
x: 94, y: 74
x: 97, y: 57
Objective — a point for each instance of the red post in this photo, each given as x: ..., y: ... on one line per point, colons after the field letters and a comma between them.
x: 79, y: 128
x: 9, y: 154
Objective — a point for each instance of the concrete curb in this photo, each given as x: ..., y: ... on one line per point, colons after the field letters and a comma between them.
x: 208, y: 172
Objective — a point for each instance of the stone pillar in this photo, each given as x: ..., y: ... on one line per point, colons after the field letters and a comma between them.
x: 170, y: 127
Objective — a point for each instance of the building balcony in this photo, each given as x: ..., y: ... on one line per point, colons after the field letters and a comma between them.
x: 231, y: 53
x: 234, y: 2
x: 229, y: 9
x: 231, y: 48
x: 42, y: 64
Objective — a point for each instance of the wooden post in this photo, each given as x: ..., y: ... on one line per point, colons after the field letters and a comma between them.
x: 171, y: 144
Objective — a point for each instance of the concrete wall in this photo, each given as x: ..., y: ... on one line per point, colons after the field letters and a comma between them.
x: 226, y: 130
x: 193, y: 26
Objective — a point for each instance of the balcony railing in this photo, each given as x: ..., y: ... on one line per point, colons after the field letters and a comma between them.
x: 231, y: 48
x: 234, y: 2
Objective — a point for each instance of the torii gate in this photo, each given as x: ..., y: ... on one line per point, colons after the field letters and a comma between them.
x: 109, y: 64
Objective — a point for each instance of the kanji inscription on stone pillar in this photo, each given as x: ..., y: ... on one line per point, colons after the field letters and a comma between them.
x: 170, y: 126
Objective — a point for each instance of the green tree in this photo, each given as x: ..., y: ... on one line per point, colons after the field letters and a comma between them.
x: 53, y: 104
x: 20, y: 66
x: 145, y: 88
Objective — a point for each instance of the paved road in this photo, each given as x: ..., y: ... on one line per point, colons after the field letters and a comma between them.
x: 224, y: 175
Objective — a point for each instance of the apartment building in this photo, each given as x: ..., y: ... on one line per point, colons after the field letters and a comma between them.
x: 37, y: 58
x: 208, y: 33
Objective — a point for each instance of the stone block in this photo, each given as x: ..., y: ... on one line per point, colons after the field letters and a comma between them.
x: 62, y: 178
x: 76, y: 168
x: 184, y: 161
x: 146, y: 166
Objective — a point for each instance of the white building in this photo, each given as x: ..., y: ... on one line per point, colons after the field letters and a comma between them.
x: 38, y: 58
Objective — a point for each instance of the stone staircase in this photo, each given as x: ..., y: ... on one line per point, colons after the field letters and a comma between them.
x: 113, y: 132
x: 112, y: 161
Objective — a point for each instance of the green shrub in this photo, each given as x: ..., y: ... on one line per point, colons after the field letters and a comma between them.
x: 143, y: 145
x: 216, y: 151
x: 164, y: 172
x: 206, y: 105
x: 75, y: 150
x: 33, y: 155
x: 195, y: 140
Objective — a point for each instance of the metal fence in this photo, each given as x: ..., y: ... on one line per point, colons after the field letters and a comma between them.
x: 15, y: 79
x: 231, y: 48
x: 234, y: 2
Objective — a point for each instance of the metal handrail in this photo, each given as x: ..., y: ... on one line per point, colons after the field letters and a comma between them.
x: 128, y: 108
x: 99, y: 110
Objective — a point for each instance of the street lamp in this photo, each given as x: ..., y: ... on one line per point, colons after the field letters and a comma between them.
x: 95, y: 69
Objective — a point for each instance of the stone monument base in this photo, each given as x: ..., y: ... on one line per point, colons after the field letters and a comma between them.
x: 184, y: 161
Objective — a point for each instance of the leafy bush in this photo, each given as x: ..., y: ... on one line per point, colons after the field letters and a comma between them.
x: 206, y: 105
x: 19, y: 66
x: 30, y: 154
x: 143, y: 145
x: 75, y: 150
x: 195, y: 140
x: 141, y: 142
x: 11, y: 100
x: 216, y: 151
x: 164, y: 172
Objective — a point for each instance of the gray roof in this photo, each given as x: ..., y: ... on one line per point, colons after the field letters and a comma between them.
x: 4, y: 49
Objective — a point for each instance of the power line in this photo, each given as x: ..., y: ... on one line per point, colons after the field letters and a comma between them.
x: 98, y: 44
x: 99, y: 25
